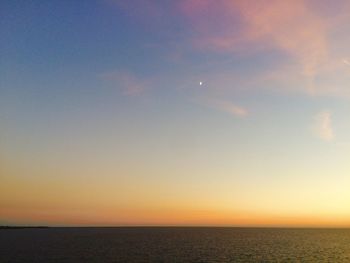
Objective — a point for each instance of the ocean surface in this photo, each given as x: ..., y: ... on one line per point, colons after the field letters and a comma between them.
x: 177, y: 244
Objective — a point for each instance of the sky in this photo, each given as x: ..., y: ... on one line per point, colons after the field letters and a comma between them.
x: 187, y: 112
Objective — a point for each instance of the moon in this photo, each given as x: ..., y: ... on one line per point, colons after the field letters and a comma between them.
x: 200, y: 83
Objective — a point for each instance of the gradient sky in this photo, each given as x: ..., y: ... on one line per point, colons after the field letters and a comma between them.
x: 187, y: 112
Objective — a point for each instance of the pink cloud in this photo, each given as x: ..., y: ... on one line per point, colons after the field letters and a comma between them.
x: 311, y: 33
x: 126, y: 81
x: 226, y: 106
x: 288, y: 25
x: 299, y: 28
x: 322, y: 126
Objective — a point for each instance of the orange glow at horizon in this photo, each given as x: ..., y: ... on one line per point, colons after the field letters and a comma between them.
x: 189, y: 113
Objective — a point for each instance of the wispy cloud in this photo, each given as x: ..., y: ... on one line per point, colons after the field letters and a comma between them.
x: 346, y: 62
x: 300, y: 29
x: 322, y: 126
x: 127, y: 82
x: 261, y: 25
x: 226, y: 106
x: 310, y: 38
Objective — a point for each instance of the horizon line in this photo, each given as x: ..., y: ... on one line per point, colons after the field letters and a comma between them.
x: 171, y: 226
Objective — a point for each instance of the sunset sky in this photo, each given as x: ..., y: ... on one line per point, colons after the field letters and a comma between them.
x: 175, y: 112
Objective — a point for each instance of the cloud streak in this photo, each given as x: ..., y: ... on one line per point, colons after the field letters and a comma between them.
x: 290, y: 26
x: 299, y: 29
x: 128, y: 83
x: 302, y: 31
x: 322, y: 126
x: 228, y: 107
x: 346, y: 62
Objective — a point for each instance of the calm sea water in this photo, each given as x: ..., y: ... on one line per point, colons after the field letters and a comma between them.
x: 174, y: 245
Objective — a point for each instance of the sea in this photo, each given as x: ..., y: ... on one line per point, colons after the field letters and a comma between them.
x: 174, y: 244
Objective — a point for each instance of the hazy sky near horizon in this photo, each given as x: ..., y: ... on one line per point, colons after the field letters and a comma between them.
x: 187, y: 112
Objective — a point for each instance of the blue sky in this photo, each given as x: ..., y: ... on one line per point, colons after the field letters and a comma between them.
x: 105, y: 96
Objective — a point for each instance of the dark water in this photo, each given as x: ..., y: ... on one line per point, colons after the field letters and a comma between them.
x: 174, y: 245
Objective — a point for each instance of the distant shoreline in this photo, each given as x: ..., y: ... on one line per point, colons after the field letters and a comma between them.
x: 21, y: 227
x: 147, y: 226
